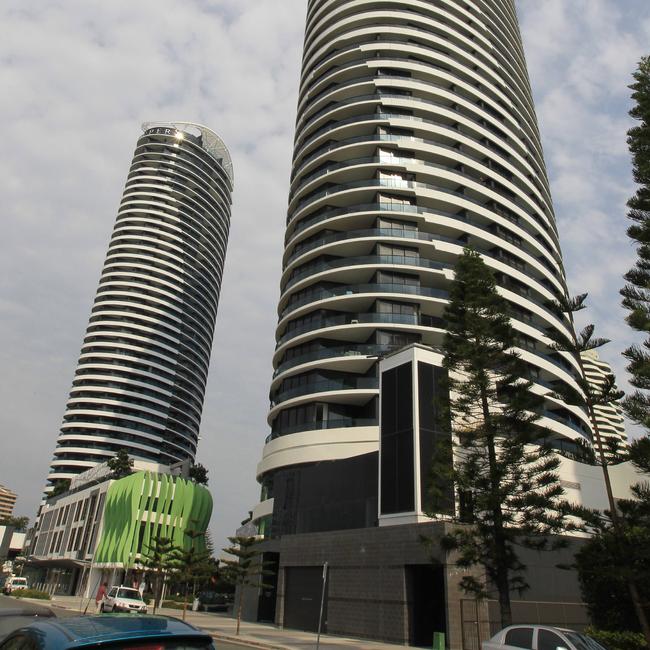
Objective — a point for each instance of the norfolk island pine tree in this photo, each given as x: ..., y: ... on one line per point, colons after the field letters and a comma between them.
x: 507, y: 484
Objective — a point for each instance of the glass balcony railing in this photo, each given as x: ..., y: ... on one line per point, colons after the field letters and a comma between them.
x: 566, y: 422
x: 352, y: 289
x: 355, y: 319
x: 326, y: 214
x: 365, y: 260
x: 488, y: 64
x: 350, y: 350
x: 400, y: 233
x: 378, y: 97
x: 546, y: 221
x: 397, y: 184
x: 339, y: 423
x: 362, y: 383
x: 523, y: 203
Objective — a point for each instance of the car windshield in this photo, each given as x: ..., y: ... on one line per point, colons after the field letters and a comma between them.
x: 19, y: 581
x: 582, y: 641
x: 128, y: 593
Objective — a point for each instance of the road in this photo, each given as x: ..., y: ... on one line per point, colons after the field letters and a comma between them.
x: 7, y: 602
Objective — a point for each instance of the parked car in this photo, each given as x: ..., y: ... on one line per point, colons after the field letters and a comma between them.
x: 109, y: 632
x: 123, y: 599
x: 211, y: 601
x: 540, y: 637
x: 13, y: 583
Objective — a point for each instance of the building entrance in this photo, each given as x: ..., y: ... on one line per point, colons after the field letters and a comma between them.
x: 426, y: 603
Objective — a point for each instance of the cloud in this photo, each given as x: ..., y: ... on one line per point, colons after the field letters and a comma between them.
x: 581, y: 55
x: 76, y: 82
x: 78, y: 78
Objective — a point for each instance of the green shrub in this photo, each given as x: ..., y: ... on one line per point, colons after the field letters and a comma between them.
x: 174, y: 604
x: 177, y: 598
x: 30, y: 593
x: 625, y: 640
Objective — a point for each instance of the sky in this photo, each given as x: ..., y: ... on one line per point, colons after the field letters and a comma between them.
x: 78, y: 78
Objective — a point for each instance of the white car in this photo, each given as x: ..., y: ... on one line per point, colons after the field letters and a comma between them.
x: 123, y: 599
x: 540, y: 637
x: 14, y: 583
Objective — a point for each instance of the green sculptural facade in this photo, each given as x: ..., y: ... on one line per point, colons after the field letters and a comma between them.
x: 144, y: 506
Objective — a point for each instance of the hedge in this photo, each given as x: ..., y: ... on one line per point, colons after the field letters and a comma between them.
x: 623, y: 640
x: 30, y: 593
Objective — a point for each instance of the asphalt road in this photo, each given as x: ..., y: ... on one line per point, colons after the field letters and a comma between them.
x: 7, y: 602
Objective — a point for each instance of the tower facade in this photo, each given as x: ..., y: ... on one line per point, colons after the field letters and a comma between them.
x: 609, y: 417
x: 141, y: 376
x: 416, y: 136
x: 7, y: 502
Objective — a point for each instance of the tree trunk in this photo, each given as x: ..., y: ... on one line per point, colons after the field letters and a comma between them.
x: 501, y: 564
x: 156, y: 593
x: 241, y: 599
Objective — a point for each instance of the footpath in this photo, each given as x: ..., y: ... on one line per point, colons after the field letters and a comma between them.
x: 222, y: 627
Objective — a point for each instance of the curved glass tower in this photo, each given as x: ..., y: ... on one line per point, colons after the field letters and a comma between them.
x: 416, y: 136
x: 143, y: 367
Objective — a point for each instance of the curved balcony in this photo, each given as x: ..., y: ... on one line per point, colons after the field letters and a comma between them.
x: 326, y: 386
x: 341, y: 423
x: 471, y: 69
x: 387, y: 117
x: 366, y: 233
x: 489, y: 61
x: 354, y: 289
x: 520, y: 150
x: 567, y: 423
x: 350, y: 350
x: 401, y: 209
x: 360, y: 319
x: 364, y: 260
x: 520, y: 260
x: 390, y: 184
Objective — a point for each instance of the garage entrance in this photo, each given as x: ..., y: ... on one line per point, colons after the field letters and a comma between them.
x: 302, y: 595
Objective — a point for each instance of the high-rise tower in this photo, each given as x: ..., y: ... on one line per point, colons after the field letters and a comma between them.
x: 141, y: 376
x: 416, y: 136
x: 609, y: 417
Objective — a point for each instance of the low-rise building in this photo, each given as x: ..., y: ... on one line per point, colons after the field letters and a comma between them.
x: 99, y: 529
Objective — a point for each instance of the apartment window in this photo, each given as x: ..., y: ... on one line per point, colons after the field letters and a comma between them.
x: 393, y: 199
x: 389, y: 277
x: 397, y: 251
x: 399, y: 308
x: 396, y: 224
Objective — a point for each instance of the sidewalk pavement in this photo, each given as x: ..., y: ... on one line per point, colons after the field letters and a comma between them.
x: 222, y: 627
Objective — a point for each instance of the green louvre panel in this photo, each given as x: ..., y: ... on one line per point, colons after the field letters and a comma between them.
x: 146, y: 505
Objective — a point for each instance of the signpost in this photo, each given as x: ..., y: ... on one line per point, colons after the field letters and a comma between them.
x: 322, y: 601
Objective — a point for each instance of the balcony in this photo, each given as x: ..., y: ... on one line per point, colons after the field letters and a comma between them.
x: 357, y: 319
x: 361, y: 383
